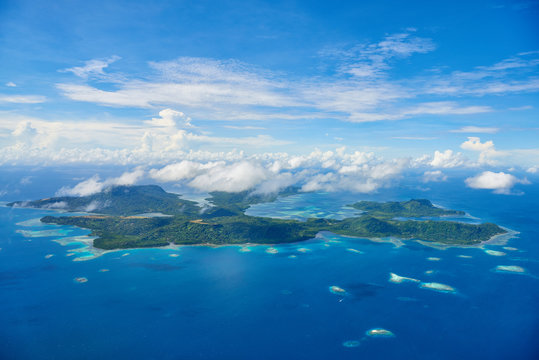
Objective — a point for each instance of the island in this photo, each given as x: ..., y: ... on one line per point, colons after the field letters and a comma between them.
x: 147, y: 216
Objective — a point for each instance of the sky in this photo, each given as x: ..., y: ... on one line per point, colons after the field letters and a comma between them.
x: 236, y: 95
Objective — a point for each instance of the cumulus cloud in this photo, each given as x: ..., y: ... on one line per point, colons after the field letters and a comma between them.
x: 170, y: 118
x: 94, y: 184
x: 166, y: 138
x: 487, y: 152
x: 235, y: 177
x: 182, y: 170
x: 500, y: 182
x: 475, y: 144
x: 24, y: 129
x: 87, y: 187
x: 447, y: 159
x: 268, y: 173
x: 533, y: 169
x: 434, y: 176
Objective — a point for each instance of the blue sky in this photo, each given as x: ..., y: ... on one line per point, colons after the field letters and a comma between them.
x: 435, y: 85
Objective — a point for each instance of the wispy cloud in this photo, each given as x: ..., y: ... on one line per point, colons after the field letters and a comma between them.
x: 358, y: 87
x: 413, y: 138
x: 22, y: 99
x: 244, y: 127
x: 521, y: 108
x: 372, y: 60
x: 513, y: 75
x: 93, y: 68
x: 430, y: 108
x: 476, y: 129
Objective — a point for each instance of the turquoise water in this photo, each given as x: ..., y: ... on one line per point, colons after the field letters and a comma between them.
x: 223, y: 303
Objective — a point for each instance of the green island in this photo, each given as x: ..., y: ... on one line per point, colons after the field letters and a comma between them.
x: 147, y: 216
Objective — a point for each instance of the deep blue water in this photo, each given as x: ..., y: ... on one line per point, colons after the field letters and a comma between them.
x: 220, y: 303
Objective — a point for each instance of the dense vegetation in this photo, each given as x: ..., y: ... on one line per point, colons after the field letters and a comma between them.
x: 120, y: 200
x: 411, y: 208
x: 225, y: 223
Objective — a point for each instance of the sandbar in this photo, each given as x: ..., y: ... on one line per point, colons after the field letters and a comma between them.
x: 437, y: 287
x: 394, y: 278
x: 495, y: 253
x: 351, y: 343
x: 379, y: 332
x: 272, y: 250
x: 337, y: 290
x: 510, y: 269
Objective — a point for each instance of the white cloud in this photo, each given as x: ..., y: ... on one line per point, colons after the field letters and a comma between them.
x: 24, y: 129
x: 413, y: 137
x: 372, y: 60
x: 514, y: 74
x: 11, y: 84
x: 430, y: 108
x: 245, y: 127
x: 533, y: 170
x: 170, y: 118
x: 447, y: 159
x: 357, y: 88
x: 500, y: 182
x: 27, y: 180
x: 180, y: 171
x: 87, y: 187
x: 127, y: 178
x: 487, y: 152
x: 92, y: 68
x: 267, y: 173
x: 521, y: 108
x: 474, y: 144
x: 434, y: 176
x: 235, y: 177
x: 37, y: 141
x: 94, y: 184
x: 22, y: 99
x: 476, y: 129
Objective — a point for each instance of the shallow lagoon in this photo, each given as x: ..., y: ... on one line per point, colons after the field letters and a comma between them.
x: 217, y: 296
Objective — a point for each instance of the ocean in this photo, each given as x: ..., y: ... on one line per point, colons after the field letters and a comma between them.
x: 245, y: 303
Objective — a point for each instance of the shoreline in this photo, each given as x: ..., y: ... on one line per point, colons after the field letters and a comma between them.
x: 496, y: 240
